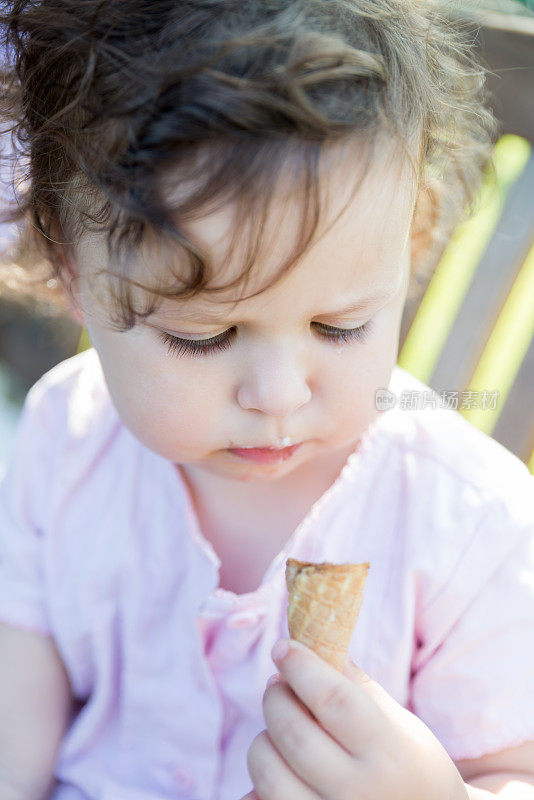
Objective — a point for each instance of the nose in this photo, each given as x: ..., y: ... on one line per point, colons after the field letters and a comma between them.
x: 275, y: 383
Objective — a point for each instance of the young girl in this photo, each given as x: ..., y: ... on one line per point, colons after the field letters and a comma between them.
x: 235, y: 199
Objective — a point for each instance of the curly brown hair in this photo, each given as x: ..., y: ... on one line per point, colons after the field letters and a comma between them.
x: 107, y: 100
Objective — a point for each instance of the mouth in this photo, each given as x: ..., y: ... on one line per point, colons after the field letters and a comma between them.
x: 265, y: 455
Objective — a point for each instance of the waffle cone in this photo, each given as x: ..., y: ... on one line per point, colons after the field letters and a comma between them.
x: 324, y: 602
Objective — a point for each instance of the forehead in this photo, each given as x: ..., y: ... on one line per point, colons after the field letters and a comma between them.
x: 366, y: 207
x: 358, y: 247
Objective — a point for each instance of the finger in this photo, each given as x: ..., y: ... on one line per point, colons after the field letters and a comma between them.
x: 308, y: 750
x: 390, y: 708
x: 271, y: 776
x: 343, y: 707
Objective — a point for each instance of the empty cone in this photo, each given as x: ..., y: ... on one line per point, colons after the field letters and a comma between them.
x: 324, y: 602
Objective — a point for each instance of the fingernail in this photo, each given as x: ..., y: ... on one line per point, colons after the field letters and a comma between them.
x: 280, y: 650
x: 274, y: 679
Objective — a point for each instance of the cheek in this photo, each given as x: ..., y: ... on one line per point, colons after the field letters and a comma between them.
x: 169, y: 402
x: 359, y: 368
x: 351, y: 391
x: 162, y: 400
x: 350, y: 379
x: 382, y: 347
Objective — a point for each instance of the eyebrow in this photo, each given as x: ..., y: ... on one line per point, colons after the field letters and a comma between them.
x: 364, y: 304
x: 361, y: 305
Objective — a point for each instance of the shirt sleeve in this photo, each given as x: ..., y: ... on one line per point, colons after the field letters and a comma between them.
x: 23, y: 505
x: 472, y: 679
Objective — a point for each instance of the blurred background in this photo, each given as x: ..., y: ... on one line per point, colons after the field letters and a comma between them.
x: 471, y: 325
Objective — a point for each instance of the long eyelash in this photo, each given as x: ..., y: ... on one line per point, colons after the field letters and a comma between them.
x: 348, y: 334
x: 224, y: 340
x: 197, y: 348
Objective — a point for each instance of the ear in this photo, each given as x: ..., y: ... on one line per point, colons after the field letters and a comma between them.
x: 75, y: 311
x: 68, y: 276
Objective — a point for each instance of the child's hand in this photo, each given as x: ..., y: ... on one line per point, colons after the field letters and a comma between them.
x: 362, y: 744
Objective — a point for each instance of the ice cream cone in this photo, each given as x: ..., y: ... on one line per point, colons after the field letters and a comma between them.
x: 324, y: 602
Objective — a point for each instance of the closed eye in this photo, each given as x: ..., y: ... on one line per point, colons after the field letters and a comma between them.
x: 201, y: 347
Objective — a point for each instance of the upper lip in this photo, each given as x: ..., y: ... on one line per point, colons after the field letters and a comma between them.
x: 265, y: 446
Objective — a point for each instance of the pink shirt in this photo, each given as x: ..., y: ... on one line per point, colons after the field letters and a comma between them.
x: 100, y: 548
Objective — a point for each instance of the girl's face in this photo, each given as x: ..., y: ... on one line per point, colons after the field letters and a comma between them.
x: 281, y: 370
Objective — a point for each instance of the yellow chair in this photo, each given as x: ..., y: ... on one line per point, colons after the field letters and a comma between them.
x: 473, y: 330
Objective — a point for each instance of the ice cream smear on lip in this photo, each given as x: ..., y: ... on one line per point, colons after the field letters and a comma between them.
x: 285, y: 442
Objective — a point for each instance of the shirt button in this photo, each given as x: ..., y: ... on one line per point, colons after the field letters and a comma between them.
x: 183, y: 780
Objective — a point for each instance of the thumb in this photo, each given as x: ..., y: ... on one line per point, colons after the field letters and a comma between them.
x: 356, y: 675
x: 370, y: 687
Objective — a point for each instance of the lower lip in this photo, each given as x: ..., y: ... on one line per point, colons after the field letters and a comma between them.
x: 265, y: 456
